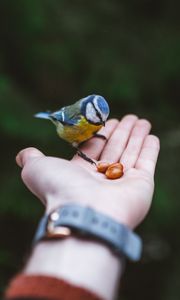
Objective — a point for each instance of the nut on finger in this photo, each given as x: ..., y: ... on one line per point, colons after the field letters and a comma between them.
x: 102, y: 167
x: 114, y: 171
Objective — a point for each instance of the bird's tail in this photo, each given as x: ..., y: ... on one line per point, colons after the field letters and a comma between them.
x: 42, y: 115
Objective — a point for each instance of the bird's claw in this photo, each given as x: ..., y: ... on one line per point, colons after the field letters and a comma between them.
x: 85, y: 157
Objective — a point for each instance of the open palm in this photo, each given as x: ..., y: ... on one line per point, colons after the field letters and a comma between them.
x: 57, y: 181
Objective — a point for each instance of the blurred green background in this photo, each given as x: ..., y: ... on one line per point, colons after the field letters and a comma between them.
x: 55, y: 52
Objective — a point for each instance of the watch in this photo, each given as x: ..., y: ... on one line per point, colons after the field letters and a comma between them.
x: 83, y: 221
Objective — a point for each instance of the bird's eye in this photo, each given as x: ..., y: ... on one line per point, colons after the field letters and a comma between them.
x: 97, y: 113
x: 92, y: 114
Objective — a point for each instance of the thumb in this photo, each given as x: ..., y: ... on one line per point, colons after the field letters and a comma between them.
x: 27, y: 155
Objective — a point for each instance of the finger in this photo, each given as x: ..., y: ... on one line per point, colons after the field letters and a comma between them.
x: 149, y: 154
x: 27, y: 155
x: 94, y: 146
x: 130, y: 155
x: 118, y: 140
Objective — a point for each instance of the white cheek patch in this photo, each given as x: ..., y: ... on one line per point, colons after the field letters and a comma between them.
x: 95, y: 101
x: 91, y: 113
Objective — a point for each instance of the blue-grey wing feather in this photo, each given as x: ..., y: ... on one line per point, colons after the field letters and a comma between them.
x: 68, y: 115
x: 42, y: 115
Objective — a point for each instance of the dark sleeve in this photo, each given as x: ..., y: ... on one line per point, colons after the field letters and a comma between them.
x: 38, y: 287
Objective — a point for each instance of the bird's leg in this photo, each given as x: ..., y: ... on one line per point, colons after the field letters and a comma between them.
x: 84, y: 156
x: 101, y: 136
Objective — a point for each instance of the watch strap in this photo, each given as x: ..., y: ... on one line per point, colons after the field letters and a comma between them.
x: 86, y: 221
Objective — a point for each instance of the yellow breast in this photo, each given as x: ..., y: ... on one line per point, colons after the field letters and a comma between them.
x: 78, y: 133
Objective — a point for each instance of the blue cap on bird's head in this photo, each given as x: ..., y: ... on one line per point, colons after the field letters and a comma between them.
x: 95, y: 109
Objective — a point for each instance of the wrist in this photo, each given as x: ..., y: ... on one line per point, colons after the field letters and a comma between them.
x: 83, y: 263
x: 121, y: 214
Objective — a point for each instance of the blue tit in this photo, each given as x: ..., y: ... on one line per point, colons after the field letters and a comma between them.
x: 80, y: 121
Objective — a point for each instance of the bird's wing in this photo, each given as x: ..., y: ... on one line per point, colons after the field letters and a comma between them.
x: 68, y: 115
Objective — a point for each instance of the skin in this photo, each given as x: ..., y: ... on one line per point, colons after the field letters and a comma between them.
x: 56, y: 181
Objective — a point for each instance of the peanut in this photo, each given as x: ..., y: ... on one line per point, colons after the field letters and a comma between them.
x: 114, y: 171
x: 102, y: 167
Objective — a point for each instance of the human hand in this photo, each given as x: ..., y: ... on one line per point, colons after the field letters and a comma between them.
x: 57, y: 181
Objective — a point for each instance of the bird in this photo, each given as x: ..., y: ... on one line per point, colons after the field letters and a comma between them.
x: 80, y: 121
